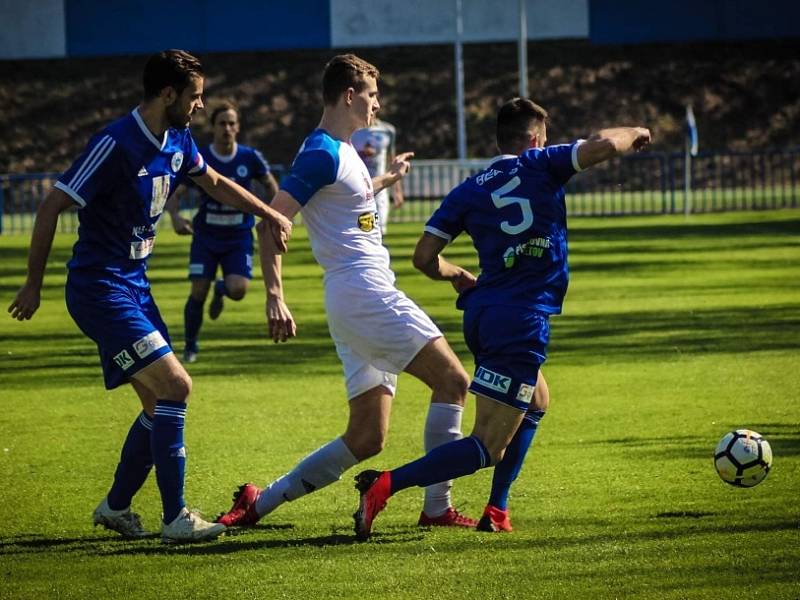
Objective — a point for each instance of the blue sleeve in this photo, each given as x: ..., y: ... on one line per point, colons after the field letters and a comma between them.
x: 260, y: 164
x: 194, y: 163
x: 560, y: 161
x: 311, y: 170
x: 93, y: 173
x: 447, y: 221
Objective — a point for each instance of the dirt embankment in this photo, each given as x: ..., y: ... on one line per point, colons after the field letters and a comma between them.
x: 745, y: 95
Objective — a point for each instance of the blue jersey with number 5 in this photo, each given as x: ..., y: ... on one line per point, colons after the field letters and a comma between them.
x: 514, y: 211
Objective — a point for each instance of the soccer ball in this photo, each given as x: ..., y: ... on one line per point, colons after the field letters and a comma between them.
x: 743, y: 458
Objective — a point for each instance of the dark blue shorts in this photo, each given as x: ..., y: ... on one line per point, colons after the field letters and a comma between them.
x: 122, y: 320
x: 509, y: 345
x: 234, y: 253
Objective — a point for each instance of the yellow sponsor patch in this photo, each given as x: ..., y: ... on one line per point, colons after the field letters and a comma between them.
x: 366, y: 221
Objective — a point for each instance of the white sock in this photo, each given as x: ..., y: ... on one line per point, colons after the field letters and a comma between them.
x: 443, y: 425
x: 317, y: 470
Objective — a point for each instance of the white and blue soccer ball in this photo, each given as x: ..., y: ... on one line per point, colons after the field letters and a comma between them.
x: 743, y: 458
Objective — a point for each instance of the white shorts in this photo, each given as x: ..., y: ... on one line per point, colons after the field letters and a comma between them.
x: 377, y: 329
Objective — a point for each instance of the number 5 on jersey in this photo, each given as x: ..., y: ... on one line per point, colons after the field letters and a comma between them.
x: 501, y: 200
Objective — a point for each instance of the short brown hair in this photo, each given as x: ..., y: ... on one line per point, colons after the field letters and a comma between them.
x: 514, y: 119
x: 342, y: 72
x: 170, y: 68
x: 223, y: 106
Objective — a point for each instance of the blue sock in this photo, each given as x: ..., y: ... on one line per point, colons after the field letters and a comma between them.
x: 192, y: 320
x: 220, y: 289
x: 169, y: 455
x: 448, y: 461
x: 135, y: 462
x: 507, y: 470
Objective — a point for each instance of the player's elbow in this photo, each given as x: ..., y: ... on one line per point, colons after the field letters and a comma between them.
x: 422, y: 260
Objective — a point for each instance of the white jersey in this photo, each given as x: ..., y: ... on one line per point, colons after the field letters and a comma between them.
x: 334, y: 187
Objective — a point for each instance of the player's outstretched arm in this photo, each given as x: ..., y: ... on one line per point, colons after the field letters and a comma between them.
x: 229, y: 192
x: 399, y: 168
x: 427, y: 259
x: 279, y: 317
x: 28, y: 297
x: 608, y: 143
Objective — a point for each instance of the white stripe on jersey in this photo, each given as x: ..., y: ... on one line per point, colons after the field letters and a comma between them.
x: 95, y: 158
x: 261, y: 158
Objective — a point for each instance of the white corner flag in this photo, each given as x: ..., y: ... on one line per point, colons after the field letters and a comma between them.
x: 691, y: 131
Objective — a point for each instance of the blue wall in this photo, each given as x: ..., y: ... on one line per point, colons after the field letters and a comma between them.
x: 637, y: 21
x: 140, y: 27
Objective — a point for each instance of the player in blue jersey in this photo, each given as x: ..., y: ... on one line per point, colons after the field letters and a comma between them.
x: 378, y: 331
x: 223, y: 235
x: 515, y: 213
x: 120, y: 185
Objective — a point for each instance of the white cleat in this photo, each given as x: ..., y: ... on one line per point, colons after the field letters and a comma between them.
x: 124, y: 522
x: 189, y: 527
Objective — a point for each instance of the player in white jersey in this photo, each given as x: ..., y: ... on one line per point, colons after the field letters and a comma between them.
x: 376, y: 147
x: 378, y: 331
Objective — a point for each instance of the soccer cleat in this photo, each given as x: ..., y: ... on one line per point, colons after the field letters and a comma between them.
x: 124, y: 522
x: 243, y: 512
x: 449, y: 518
x: 494, y: 520
x: 375, y: 488
x: 189, y: 356
x: 216, y: 305
x: 189, y: 527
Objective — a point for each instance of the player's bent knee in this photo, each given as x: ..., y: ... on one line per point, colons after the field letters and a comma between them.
x: 236, y: 293
x: 366, y: 447
x: 177, y: 388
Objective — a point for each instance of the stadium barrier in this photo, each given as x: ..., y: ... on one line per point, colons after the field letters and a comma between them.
x: 638, y: 184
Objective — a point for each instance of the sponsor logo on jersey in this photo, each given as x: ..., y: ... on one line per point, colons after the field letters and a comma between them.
x: 367, y: 221
x: 525, y: 393
x: 492, y: 380
x: 160, y: 194
x: 145, y: 346
x: 143, y: 172
x: 484, y: 177
x: 534, y: 247
x: 241, y: 171
x: 177, y: 161
x: 123, y: 360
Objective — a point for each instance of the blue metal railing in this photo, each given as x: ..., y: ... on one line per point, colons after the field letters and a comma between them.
x: 650, y: 183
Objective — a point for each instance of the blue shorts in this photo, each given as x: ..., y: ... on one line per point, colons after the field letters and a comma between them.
x: 509, y: 345
x: 232, y: 251
x: 122, y: 320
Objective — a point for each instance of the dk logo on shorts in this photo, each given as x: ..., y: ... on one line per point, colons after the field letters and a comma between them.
x: 367, y: 220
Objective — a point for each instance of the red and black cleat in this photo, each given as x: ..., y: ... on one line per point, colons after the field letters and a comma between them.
x: 450, y: 518
x: 375, y: 488
x: 243, y: 512
x: 494, y: 520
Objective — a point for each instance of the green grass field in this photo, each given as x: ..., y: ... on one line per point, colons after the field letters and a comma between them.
x: 674, y: 332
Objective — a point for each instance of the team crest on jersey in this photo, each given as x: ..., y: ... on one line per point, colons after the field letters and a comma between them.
x: 367, y: 221
x: 241, y: 171
x: 177, y: 161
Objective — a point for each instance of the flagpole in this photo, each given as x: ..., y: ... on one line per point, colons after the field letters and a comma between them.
x: 459, y: 60
x: 522, y: 50
x: 690, y: 151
